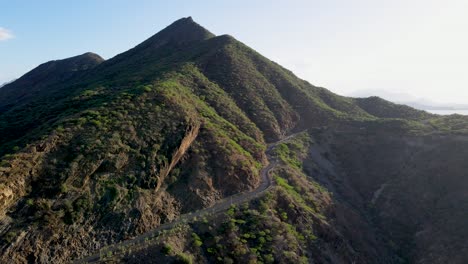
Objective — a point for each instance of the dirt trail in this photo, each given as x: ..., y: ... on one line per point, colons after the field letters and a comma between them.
x: 220, y: 206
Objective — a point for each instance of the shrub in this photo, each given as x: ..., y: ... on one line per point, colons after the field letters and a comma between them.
x: 269, y: 258
x: 183, y: 259
x: 63, y: 188
x: 97, y: 123
x: 30, y: 202
x: 196, y: 240
x: 10, y: 236
x: 166, y: 249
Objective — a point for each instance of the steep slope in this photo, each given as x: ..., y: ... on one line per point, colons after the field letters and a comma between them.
x: 43, y: 76
x: 96, y: 152
x: 34, y: 99
x: 103, y: 165
x: 296, y: 221
x: 271, y: 96
x: 414, y: 186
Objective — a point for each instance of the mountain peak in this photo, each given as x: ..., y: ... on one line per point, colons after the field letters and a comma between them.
x: 180, y: 32
x: 45, y: 75
x: 77, y: 63
x: 187, y: 28
x: 90, y: 56
x: 188, y: 19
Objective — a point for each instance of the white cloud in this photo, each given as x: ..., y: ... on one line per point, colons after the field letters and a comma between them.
x: 5, y: 34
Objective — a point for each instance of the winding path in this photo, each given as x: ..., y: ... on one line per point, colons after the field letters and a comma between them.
x: 221, y: 205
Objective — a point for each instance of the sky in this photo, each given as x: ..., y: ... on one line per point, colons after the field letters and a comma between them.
x: 412, y: 48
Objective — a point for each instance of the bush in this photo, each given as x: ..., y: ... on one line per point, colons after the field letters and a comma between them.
x: 63, y: 188
x: 166, y: 249
x: 147, y: 88
x: 30, y: 202
x: 196, y: 240
x: 97, y: 123
x: 10, y: 236
x: 183, y: 259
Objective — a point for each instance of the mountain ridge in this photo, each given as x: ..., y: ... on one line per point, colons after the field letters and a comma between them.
x: 63, y: 69
x: 89, y: 160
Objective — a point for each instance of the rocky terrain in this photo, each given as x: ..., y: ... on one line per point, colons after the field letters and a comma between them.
x: 95, y: 152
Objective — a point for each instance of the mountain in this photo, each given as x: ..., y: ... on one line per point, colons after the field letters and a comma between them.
x: 45, y: 75
x: 192, y: 147
x: 407, y: 99
x: 435, y: 106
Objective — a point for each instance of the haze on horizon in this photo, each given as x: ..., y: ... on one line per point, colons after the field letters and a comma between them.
x: 350, y: 47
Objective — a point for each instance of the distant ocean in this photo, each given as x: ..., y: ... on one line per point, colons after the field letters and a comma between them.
x: 448, y: 112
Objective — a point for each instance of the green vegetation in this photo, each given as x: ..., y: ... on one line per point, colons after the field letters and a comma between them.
x: 166, y: 249
x: 196, y: 240
x: 30, y: 202
x: 250, y: 233
x: 282, y: 218
x: 282, y: 151
x: 92, y: 147
x: 10, y: 236
x: 293, y: 150
x: 453, y: 124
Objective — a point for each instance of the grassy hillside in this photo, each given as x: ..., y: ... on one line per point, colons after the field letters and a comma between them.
x: 93, y: 152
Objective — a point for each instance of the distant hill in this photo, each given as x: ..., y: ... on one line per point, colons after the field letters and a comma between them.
x: 94, y: 152
x: 407, y: 99
x: 436, y: 106
x: 382, y: 108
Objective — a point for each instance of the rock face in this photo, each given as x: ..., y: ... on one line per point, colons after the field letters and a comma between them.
x: 94, y: 152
